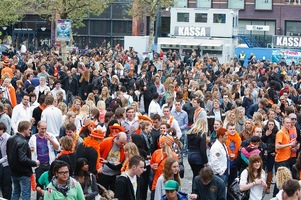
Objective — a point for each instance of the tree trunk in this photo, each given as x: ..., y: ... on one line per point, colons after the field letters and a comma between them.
x: 151, y: 31
x: 63, y: 51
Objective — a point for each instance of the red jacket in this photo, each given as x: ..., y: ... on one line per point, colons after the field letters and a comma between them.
x: 106, y: 146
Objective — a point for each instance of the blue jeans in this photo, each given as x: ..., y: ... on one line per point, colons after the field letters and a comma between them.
x: 183, y: 139
x: 21, y: 185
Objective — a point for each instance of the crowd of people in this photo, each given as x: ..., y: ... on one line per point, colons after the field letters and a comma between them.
x: 107, y: 123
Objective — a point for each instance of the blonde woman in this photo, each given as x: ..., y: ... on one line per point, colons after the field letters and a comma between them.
x: 230, y: 118
x: 69, y: 118
x: 258, y: 119
x: 159, y: 157
x: 248, y: 130
x: 83, y: 114
x: 196, y: 142
x: 130, y: 150
x: 240, y: 119
x: 114, y: 84
x: 170, y: 91
x: 105, y: 96
x: 283, y: 174
x: 101, y: 106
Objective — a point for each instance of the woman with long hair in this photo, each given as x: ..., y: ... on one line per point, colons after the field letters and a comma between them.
x: 196, y: 142
x: 268, y: 137
x: 101, y: 106
x: 253, y: 178
x: 70, y: 118
x: 171, y: 171
x: 105, y: 96
x: 76, y: 105
x: 248, y: 130
x: 83, y: 85
x: 240, y: 119
x: 230, y: 118
x: 159, y: 158
x: 86, y: 179
x: 130, y: 150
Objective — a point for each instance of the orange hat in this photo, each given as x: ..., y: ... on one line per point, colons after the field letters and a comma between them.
x: 221, y: 131
x: 96, y: 133
x: 168, y: 139
x: 116, y: 126
x: 144, y: 117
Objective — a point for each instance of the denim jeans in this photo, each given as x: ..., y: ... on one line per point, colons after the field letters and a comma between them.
x: 183, y: 139
x: 21, y: 186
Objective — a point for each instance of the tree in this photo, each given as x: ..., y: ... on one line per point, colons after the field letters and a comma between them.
x: 12, y: 11
x: 140, y: 8
x: 75, y: 10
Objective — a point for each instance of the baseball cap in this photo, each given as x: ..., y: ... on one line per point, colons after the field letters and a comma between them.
x: 171, y: 185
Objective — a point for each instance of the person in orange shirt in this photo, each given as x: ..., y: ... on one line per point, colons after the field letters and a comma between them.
x: 7, y: 69
x: 283, y: 146
x: 159, y: 157
x: 233, y: 145
x: 293, y: 135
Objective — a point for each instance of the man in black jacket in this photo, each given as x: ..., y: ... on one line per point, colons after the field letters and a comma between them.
x: 128, y: 184
x: 19, y: 160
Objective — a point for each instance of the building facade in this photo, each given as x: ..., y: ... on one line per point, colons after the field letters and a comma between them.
x: 281, y: 16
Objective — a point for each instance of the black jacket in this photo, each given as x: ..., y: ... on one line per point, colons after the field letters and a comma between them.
x: 124, y: 188
x: 19, y: 156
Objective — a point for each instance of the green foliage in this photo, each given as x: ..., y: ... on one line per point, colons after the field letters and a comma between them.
x: 141, y: 8
x: 75, y: 10
x: 12, y: 11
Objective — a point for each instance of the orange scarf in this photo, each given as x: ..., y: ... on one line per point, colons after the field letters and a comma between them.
x: 90, y: 142
x: 125, y: 166
x: 75, y: 142
x: 196, y: 113
x: 236, y: 140
x: 64, y: 152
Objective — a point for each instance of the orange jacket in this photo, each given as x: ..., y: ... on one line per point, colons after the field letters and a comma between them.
x: 156, y: 158
x: 12, y: 94
x: 106, y: 146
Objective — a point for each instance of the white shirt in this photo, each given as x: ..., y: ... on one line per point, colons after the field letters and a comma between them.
x: 218, y: 158
x: 154, y: 108
x: 54, y: 91
x: 174, y: 124
x: 54, y: 119
x: 20, y: 113
x: 33, y: 146
x: 257, y: 190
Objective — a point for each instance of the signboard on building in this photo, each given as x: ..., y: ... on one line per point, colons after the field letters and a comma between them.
x: 288, y: 55
x: 193, y: 31
x: 257, y: 28
x: 180, y: 3
x: 281, y: 41
x: 63, y: 30
x: 203, y: 3
x: 263, y: 4
x: 236, y: 4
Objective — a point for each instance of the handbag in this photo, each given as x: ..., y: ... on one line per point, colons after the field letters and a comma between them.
x: 182, y: 170
x: 235, y: 192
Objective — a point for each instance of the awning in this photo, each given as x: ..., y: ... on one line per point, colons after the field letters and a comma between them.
x: 210, y: 44
x: 190, y: 43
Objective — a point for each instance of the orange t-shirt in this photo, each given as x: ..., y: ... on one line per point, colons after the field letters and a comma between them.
x: 283, y: 154
x: 156, y: 158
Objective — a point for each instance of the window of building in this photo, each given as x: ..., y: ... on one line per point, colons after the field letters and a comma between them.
x: 83, y: 30
x: 201, y: 17
x: 100, y: 27
x: 182, y: 17
x: 122, y: 27
x: 292, y: 28
x: 219, y: 18
x: 120, y: 11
